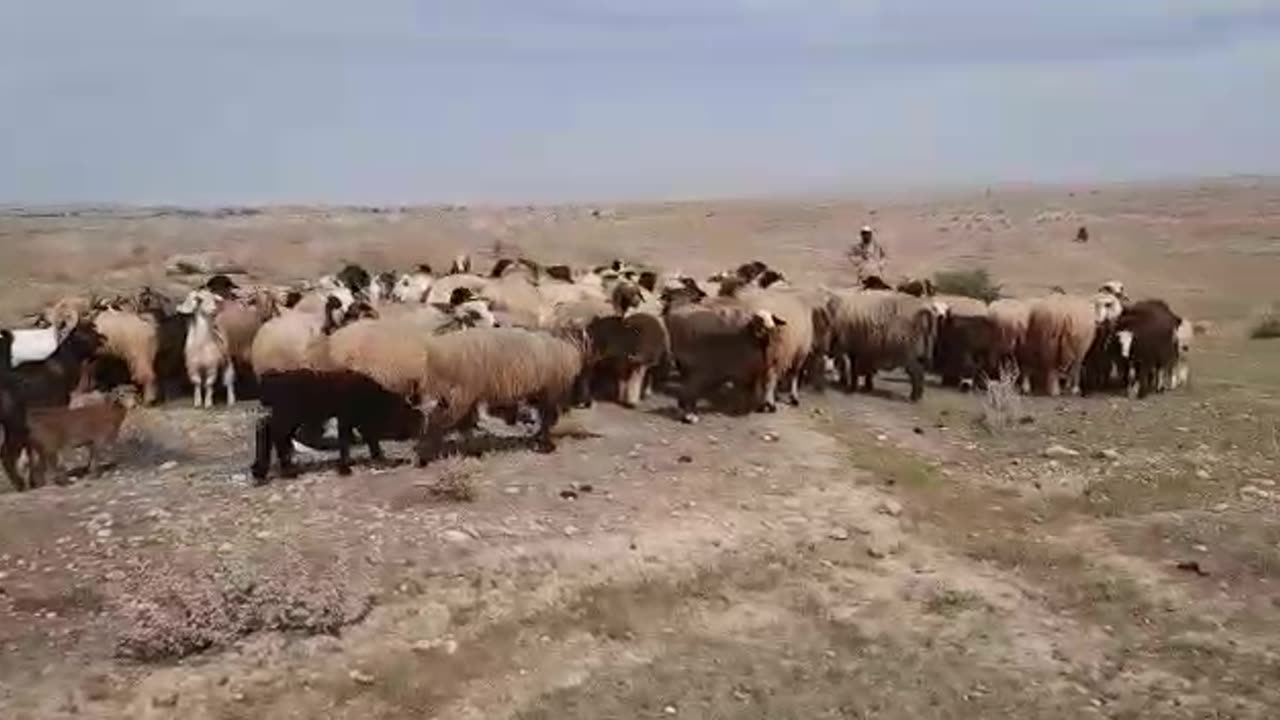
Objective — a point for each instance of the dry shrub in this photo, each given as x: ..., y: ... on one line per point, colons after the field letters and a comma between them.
x: 1267, y: 326
x: 455, y: 483
x: 189, y: 602
x: 1002, y: 403
x: 967, y: 283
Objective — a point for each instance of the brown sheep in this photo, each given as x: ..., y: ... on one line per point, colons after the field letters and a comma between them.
x: 1060, y: 331
x: 881, y: 330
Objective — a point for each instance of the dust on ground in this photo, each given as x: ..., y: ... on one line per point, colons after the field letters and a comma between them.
x: 855, y: 557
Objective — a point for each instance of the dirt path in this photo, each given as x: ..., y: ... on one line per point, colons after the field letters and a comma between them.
x: 846, y: 559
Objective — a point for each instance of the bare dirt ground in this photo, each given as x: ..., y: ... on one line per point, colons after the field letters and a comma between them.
x: 856, y: 557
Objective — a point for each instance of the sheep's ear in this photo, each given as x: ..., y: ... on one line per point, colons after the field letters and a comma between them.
x: 779, y: 321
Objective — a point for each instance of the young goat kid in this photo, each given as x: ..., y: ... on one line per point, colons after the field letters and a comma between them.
x: 95, y: 426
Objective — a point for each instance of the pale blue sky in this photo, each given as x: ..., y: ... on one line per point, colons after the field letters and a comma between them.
x: 213, y: 101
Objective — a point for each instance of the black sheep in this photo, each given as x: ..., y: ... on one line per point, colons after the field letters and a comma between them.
x: 13, y: 419
x: 298, y: 398
x: 965, y: 351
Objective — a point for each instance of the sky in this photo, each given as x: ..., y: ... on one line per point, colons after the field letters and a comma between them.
x: 264, y: 101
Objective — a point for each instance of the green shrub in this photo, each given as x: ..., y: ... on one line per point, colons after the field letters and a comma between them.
x: 968, y: 283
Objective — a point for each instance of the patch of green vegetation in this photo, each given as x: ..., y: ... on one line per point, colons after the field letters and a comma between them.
x: 893, y: 466
x: 949, y: 603
x: 976, y: 283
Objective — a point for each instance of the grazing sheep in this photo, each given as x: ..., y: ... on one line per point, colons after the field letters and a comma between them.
x: 297, y: 399
x: 500, y: 367
x: 626, y: 349
x: 719, y: 345
x: 1060, y: 331
x: 133, y: 339
x: 95, y: 426
x: 881, y: 330
x: 206, y: 351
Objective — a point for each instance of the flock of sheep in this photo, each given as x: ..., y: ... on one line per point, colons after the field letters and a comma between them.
x: 419, y: 355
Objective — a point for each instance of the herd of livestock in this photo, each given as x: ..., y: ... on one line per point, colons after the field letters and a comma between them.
x: 420, y: 356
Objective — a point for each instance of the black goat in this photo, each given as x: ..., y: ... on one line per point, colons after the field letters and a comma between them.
x: 49, y: 382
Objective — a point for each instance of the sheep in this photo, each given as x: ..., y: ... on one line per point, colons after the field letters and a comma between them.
x: 391, y: 351
x: 442, y: 288
x: 413, y: 287
x: 93, y: 425
x: 295, y: 340
x: 318, y: 302
x: 1146, y: 342
x: 1060, y: 331
x: 628, y: 349
x: 880, y: 330
x: 298, y: 399
x: 959, y: 306
x: 382, y: 288
x: 789, y: 355
x: 31, y: 345
x: 1010, y: 317
x: 133, y: 339
x: 1180, y: 374
x: 1115, y: 288
x: 500, y: 367
x: 206, y: 350
x: 461, y: 264
x: 965, y: 352
x: 722, y: 344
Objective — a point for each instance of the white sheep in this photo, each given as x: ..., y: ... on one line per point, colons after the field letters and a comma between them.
x: 413, y: 287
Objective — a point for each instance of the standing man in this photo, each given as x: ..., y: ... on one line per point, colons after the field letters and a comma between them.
x: 867, y: 256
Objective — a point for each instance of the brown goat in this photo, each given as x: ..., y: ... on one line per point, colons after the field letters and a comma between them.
x: 55, y: 429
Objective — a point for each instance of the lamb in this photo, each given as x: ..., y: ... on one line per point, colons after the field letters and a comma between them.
x: 134, y: 340
x: 308, y: 398
x: 206, y: 352
x: 500, y: 367
x: 722, y: 344
x: 881, y: 330
x: 92, y: 425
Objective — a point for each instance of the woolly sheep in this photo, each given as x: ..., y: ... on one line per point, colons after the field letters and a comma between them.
x: 881, y: 330
x: 790, y: 353
x: 1060, y: 331
x: 133, y: 339
x: 413, y: 287
x: 1010, y: 317
x: 722, y: 344
x: 959, y: 306
x: 627, y: 349
x: 295, y: 340
x: 499, y: 367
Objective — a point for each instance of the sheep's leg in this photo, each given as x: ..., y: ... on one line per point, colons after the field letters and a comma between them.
x: 282, y: 429
x: 345, y: 438
x: 229, y: 382
x: 629, y: 391
x: 548, y: 416
x: 690, y: 391
x: 849, y: 373
x: 262, y: 451
x: 915, y: 371
x: 91, y: 470
x: 791, y: 383
x: 582, y: 397
x: 868, y: 382
x: 9, y: 452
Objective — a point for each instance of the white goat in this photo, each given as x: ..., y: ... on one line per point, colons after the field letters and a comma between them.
x: 206, y: 348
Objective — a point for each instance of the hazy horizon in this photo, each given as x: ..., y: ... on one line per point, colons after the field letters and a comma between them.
x: 148, y: 102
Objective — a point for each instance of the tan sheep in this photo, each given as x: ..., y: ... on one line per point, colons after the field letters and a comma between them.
x: 392, y: 351
x: 959, y: 306
x: 881, y: 330
x: 787, y: 356
x: 499, y: 367
x: 295, y: 340
x: 134, y: 340
x: 1010, y: 317
x: 1060, y: 329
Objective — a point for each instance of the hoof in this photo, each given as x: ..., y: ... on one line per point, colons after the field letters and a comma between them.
x: 259, y: 475
x: 344, y: 471
x: 768, y: 407
x: 289, y: 473
x: 794, y: 401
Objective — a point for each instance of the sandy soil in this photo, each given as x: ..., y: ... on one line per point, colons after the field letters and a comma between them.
x: 855, y: 557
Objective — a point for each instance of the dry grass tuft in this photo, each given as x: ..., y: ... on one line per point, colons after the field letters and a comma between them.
x: 1267, y: 327
x: 455, y: 483
x: 1002, y: 404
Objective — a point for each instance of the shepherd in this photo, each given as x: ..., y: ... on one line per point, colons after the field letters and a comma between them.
x: 867, y: 255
